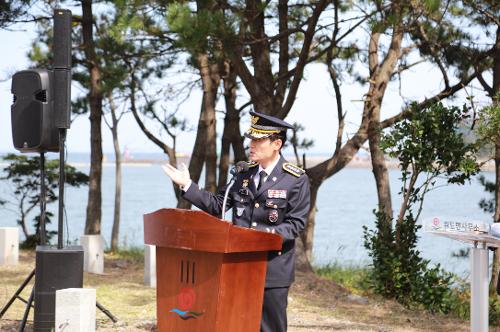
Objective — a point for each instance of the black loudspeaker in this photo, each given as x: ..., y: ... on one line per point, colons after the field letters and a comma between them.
x: 55, y: 269
x: 62, y: 68
x: 32, y: 115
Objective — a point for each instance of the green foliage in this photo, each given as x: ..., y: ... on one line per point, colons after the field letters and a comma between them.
x: 197, y: 32
x: 23, y: 174
x: 429, y: 141
x: 489, y: 123
x: 10, y: 11
x: 432, y: 5
x: 488, y: 130
x: 297, y: 144
x: 295, y: 140
x: 430, y: 144
x: 488, y: 205
x: 399, y: 272
x: 135, y: 254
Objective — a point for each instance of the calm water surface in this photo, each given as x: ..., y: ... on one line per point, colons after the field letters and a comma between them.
x: 345, y: 204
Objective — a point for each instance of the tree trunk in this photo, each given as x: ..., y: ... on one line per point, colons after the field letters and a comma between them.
x: 231, y: 134
x: 22, y: 220
x: 205, y: 144
x: 380, y: 171
x: 93, y: 219
x: 496, y: 218
x: 115, y: 232
x: 380, y: 75
x: 308, y: 234
x: 319, y: 173
x: 260, y: 50
x: 210, y: 93
x: 495, y: 271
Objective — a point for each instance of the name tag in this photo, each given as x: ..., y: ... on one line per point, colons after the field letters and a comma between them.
x: 276, y: 193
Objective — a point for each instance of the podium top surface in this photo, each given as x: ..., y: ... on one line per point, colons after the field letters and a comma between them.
x: 487, y: 239
x: 461, y: 229
x: 200, y: 231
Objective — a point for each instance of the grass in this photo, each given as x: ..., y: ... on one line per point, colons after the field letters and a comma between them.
x: 134, y: 254
x: 355, y: 279
x: 316, y: 303
x: 352, y: 277
x: 120, y: 290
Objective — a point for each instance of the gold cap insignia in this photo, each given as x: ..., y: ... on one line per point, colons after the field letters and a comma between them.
x: 254, y: 119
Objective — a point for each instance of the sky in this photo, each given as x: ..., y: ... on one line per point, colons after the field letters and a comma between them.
x: 315, y: 107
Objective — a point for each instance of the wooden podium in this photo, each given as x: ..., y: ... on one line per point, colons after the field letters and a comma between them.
x: 210, y: 274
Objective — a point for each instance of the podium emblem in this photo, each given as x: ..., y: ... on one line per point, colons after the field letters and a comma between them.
x: 186, y: 298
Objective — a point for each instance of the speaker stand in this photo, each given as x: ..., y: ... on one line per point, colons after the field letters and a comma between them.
x: 42, y: 230
x: 17, y: 294
x: 41, y: 234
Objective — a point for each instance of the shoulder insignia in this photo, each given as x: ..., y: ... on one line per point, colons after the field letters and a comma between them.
x: 252, y: 164
x: 293, y: 169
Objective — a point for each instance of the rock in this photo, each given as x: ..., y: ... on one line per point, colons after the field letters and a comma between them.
x: 121, y: 263
x: 357, y: 299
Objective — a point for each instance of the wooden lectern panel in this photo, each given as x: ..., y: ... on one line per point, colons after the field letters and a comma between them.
x: 240, y: 301
x: 210, y: 274
x: 187, y: 289
x: 199, y: 291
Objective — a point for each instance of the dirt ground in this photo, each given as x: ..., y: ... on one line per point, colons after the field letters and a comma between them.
x: 315, y: 304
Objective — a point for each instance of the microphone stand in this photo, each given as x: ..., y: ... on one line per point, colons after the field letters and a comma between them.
x: 240, y: 167
x: 226, y: 194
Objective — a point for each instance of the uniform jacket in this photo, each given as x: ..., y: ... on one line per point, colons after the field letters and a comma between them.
x: 282, y: 204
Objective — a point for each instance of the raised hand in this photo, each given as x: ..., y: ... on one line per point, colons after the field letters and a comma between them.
x: 179, y: 177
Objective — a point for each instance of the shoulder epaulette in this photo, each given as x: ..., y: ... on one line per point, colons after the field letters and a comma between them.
x: 293, y: 169
x: 252, y: 164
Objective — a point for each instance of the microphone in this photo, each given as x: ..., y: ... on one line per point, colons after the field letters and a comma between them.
x: 239, y: 167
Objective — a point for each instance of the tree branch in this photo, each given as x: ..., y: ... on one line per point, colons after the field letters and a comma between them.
x: 303, y: 56
x: 434, y: 54
x: 440, y: 96
x: 283, y: 51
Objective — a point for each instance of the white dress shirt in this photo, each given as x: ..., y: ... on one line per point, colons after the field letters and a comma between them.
x: 268, y: 170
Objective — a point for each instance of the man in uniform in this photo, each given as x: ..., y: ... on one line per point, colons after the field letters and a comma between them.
x: 273, y: 196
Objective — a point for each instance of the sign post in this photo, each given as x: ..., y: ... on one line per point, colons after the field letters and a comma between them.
x: 477, y: 234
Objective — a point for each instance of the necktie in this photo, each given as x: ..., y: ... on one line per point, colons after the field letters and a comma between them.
x: 262, y: 175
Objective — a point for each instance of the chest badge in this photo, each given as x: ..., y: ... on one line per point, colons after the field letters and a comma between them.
x: 276, y: 193
x: 245, y: 183
x: 239, y: 211
x: 273, y: 216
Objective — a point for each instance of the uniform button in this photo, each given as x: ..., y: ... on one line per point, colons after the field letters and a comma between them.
x: 254, y: 224
x: 257, y: 205
x: 275, y: 206
x: 241, y: 200
x: 279, y: 253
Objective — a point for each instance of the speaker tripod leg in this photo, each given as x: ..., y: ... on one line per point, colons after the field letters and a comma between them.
x: 16, y: 295
x: 27, y: 311
x: 106, y: 312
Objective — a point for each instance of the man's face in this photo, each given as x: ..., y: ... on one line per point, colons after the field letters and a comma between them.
x: 263, y: 150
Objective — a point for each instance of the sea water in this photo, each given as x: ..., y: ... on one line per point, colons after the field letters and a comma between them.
x: 345, y: 203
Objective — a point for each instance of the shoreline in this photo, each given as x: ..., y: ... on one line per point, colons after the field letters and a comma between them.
x: 357, y: 162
